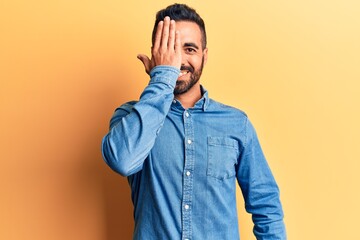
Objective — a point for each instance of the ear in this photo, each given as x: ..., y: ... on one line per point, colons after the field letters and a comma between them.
x: 205, y: 53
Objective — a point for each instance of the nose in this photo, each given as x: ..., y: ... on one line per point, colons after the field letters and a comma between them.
x: 184, y: 60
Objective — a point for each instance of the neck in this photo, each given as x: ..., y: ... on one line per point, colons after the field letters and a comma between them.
x: 189, y: 98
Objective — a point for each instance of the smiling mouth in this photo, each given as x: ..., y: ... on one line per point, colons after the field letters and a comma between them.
x: 183, y: 72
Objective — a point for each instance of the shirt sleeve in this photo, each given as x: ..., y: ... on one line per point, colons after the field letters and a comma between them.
x: 134, y: 126
x: 260, y: 191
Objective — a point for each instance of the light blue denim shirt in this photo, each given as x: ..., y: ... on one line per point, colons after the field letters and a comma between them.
x: 182, y: 165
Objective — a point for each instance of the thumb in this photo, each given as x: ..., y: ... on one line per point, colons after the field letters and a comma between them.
x: 146, y: 61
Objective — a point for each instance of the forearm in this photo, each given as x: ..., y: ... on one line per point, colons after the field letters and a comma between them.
x: 262, y: 200
x: 267, y: 213
x: 132, y: 136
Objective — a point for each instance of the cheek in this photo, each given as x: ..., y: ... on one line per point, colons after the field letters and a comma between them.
x: 195, y: 62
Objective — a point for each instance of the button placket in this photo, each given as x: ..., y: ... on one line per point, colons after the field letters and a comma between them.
x: 188, y: 177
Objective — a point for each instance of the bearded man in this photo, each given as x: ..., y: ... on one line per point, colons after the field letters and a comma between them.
x: 183, y: 152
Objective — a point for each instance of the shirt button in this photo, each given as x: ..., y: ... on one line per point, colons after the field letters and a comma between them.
x: 189, y: 141
x: 188, y: 173
x: 186, y: 207
x: 187, y: 114
x: 174, y: 101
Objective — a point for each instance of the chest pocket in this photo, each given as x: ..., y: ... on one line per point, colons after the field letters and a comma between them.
x: 222, y: 157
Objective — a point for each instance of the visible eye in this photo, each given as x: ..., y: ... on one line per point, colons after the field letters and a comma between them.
x: 190, y: 50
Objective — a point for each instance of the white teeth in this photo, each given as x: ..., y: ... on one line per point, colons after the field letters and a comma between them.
x: 183, y: 73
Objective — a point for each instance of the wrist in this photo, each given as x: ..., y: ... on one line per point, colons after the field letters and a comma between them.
x: 165, y: 73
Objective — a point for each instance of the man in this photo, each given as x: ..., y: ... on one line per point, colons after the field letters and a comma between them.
x: 183, y: 152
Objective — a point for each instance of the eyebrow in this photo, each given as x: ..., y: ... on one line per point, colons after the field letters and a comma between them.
x: 191, y: 45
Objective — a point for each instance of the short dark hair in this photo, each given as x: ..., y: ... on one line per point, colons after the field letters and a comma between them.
x: 181, y: 12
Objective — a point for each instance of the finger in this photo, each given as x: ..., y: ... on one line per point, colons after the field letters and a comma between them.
x: 146, y: 61
x: 177, y: 42
x: 171, y: 35
x: 165, y: 33
x: 178, y: 50
x: 158, y: 35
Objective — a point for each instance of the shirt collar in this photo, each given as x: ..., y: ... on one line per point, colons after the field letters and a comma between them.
x: 202, y: 103
x: 204, y: 100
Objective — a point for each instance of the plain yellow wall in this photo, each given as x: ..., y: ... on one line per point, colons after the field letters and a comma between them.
x: 293, y: 66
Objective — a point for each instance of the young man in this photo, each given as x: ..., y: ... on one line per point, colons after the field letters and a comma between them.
x: 183, y: 152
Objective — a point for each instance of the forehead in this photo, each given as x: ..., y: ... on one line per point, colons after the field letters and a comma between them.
x: 189, y: 32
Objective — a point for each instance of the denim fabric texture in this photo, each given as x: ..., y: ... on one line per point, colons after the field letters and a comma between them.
x: 183, y: 166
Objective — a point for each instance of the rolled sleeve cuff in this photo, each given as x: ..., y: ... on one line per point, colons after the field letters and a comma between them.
x: 165, y: 74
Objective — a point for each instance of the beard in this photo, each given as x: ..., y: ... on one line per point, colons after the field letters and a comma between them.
x: 182, y: 86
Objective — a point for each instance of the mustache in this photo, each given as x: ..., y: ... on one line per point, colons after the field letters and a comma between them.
x: 187, y: 68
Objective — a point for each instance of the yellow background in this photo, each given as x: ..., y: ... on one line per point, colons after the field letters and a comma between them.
x: 293, y: 66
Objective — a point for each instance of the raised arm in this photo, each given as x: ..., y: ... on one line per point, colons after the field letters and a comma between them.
x: 134, y: 126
